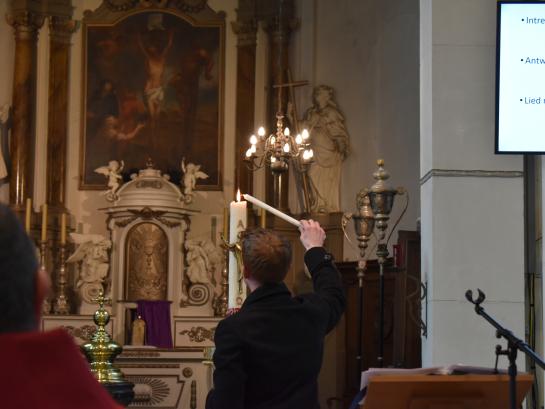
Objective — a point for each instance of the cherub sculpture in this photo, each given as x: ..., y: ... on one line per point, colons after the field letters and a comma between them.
x: 92, y: 254
x: 113, y: 172
x: 191, y: 173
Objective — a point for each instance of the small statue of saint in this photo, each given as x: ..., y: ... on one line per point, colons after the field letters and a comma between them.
x: 138, y: 331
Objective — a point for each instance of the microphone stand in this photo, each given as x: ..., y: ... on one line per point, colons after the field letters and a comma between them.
x: 514, y: 345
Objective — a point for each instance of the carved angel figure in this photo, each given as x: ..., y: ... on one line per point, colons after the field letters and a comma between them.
x: 199, y: 268
x: 92, y: 252
x: 204, y: 261
x: 191, y: 173
x: 113, y: 172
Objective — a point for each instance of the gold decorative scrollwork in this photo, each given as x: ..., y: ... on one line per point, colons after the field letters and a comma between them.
x: 120, y: 5
x: 84, y: 332
x: 146, y: 214
x: 140, y: 354
x: 199, y: 334
x: 154, y: 184
x: 147, y: 262
x: 126, y: 221
x: 188, y: 6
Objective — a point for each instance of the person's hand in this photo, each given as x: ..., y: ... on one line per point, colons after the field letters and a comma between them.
x: 312, y: 234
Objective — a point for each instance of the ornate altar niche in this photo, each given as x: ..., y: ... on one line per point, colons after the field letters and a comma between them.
x: 148, y: 224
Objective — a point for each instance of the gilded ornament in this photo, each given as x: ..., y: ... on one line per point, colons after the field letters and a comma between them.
x: 199, y: 334
x: 101, y: 351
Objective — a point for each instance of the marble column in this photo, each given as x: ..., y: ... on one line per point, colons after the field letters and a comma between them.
x: 26, y: 25
x: 246, y: 54
x: 61, y: 29
x: 472, y: 201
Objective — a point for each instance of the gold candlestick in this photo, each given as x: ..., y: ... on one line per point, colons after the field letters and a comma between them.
x: 27, y: 215
x: 44, y: 222
x: 101, y: 351
x: 220, y: 303
x: 46, y: 306
x: 60, y: 305
x: 63, y: 228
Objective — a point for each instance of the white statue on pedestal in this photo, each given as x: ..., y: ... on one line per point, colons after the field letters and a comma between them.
x: 330, y: 142
x: 190, y: 174
x: 113, y: 172
x: 92, y: 252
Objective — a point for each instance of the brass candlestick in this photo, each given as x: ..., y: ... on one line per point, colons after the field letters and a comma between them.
x: 46, y: 306
x: 237, y: 249
x: 60, y: 304
x: 364, y: 223
x: 101, y: 351
x: 221, y: 301
x: 381, y: 197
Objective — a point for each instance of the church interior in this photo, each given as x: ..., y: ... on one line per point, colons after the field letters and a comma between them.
x: 127, y: 127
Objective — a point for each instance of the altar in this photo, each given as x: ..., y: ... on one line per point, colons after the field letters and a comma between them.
x: 151, y: 262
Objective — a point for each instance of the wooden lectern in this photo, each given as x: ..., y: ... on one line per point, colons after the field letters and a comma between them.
x: 443, y: 391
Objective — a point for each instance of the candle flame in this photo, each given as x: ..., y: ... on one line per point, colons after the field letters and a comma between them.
x: 238, y: 195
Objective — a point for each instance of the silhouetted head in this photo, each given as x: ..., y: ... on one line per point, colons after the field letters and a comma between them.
x: 22, y: 286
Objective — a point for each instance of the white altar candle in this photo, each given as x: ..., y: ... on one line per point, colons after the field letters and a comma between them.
x: 272, y: 210
x: 238, y: 217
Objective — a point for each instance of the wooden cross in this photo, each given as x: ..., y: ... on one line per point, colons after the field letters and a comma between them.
x: 291, y: 85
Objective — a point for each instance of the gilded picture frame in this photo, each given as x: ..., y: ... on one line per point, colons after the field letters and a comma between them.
x: 152, y: 88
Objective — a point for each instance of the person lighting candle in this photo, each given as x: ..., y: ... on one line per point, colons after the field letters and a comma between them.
x: 269, y: 354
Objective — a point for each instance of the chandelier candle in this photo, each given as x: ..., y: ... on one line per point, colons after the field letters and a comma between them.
x: 272, y: 210
x: 238, y: 217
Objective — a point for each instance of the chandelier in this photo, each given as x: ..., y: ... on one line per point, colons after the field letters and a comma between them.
x: 279, y: 148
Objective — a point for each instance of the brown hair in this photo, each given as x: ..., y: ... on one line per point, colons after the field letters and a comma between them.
x: 266, y: 255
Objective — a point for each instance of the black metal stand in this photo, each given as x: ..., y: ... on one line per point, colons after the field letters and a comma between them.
x: 514, y: 345
x: 359, y: 357
x: 382, y: 254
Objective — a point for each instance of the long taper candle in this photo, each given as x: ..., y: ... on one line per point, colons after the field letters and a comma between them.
x: 27, y: 214
x: 272, y: 210
x: 263, y: 218
x: 44, y: 222
x: 63, y: 228
x: 226, y: 223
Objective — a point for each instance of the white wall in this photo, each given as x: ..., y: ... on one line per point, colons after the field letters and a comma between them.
x: 368, y: 52
x: 472, y: 205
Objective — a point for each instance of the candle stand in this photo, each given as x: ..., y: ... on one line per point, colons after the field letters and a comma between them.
x: 60, y: 304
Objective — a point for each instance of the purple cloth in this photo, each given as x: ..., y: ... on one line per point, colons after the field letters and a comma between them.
x: 156, y: 314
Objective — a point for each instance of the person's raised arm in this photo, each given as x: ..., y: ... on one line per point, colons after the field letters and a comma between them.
x: 325, y: 277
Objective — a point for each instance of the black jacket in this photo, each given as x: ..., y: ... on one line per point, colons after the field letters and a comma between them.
x: 269, y: 354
